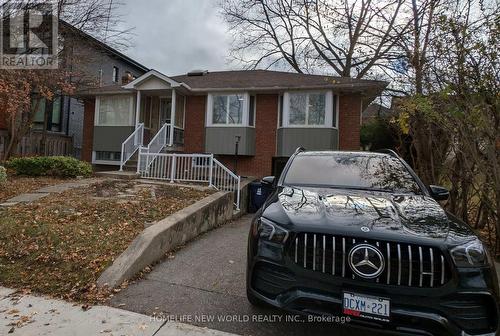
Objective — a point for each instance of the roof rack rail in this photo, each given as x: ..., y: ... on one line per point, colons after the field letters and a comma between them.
x: 388, y: 151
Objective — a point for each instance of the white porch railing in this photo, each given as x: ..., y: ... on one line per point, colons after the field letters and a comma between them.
x: 155, y: 146
x: 132, y: 144
x: 201, y: 168
x: 159, y: 140
x: 224, y: 179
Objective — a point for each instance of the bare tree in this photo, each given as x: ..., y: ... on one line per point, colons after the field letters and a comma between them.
x: 351, y: 38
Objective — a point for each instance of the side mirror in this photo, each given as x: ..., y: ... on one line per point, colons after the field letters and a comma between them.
x: 439, y: 193
x: 268, y: 181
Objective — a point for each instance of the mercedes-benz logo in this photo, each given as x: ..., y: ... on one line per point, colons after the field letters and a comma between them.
x: 366, y: 261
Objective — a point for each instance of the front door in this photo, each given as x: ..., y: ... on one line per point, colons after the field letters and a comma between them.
x: 165, y: 110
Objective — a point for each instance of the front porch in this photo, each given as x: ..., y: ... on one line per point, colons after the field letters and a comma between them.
x: 160, y: 109
x: 159, y: 125
x: 147, y: 113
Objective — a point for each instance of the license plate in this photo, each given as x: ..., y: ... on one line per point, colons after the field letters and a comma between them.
x: 369, y: 307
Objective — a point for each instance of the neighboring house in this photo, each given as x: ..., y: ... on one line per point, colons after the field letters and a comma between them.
x: 96, y: 64
x: 270, y: 113
x: 374, y: 111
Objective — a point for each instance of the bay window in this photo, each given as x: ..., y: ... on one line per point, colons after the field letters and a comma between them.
x: 114, y: 111
x: 308, y: 109
x: 228, y: 109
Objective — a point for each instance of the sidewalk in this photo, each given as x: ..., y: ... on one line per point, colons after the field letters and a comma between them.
x: 29, y: 315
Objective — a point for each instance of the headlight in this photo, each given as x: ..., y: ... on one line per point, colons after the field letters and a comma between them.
x: 470, y: 254
x: 272, y: 232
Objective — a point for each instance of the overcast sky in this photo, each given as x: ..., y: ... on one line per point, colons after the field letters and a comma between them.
x: 175, y: 36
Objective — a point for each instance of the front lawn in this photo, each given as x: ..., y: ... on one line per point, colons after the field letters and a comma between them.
x: 15, y: 185
x: 60, y: 245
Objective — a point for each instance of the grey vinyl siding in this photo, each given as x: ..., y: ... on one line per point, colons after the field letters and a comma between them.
x: 289, y: 139
x: 110, y: 138
x: 90, y: 61
x: 221, y: 140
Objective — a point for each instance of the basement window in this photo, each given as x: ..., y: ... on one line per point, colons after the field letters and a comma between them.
x: 107, y: 156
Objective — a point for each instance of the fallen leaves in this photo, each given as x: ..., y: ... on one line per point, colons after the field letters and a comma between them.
x: 19, y: 185
x: 61, y: 244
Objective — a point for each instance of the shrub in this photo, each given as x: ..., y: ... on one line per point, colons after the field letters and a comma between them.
x: 59, y: 166
x: 378, y: 134
x: 3, y: 174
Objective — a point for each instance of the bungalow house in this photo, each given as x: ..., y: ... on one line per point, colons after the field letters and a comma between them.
x: 251, y: 121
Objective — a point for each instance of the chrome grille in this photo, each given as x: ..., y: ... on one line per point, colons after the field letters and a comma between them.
x: 406, y: 264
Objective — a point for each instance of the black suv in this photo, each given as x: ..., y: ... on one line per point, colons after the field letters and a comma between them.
x: 358, y: 234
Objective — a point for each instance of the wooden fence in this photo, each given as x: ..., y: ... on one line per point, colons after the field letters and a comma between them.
x: 33, y: 145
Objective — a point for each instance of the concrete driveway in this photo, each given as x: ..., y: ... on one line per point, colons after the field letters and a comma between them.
x: 205, y: 283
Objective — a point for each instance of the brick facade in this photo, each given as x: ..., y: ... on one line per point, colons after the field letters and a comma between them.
x: 349, y: 122
x: 88, y: 129
x: 265, y: 131
x: 194, y: 133
x: 266, y: 121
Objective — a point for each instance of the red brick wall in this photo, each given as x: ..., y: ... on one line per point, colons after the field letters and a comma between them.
x: 194, y: 133
x: 265, y: 132
x: 266, y: 121
x: 88, y: 129
x: 349, y: 122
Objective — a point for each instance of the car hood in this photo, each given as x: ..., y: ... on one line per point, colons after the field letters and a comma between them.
x: 379, y: 215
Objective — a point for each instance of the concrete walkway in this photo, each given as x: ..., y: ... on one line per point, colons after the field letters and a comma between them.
x: 28, y: 315
x: 46, y: 191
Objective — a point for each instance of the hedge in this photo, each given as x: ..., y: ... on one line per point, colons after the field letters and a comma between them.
x: 58, y: 166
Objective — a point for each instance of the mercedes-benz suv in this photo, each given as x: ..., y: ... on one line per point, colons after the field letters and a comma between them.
x: 358, y: 234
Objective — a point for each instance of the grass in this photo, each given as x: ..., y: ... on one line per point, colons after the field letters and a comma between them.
x: 60, y: 245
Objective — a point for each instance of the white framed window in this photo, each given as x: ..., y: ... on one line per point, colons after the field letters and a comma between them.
x: 229, y: 110
x: 115, y: 110
x: 308, y: 109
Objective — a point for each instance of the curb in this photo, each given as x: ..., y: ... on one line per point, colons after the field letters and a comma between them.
x: 155, y: 241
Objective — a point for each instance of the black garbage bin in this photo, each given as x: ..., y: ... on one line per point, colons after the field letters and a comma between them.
x: 258, y: 195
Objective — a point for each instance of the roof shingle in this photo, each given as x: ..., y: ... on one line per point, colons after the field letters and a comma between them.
x: 266, y: 79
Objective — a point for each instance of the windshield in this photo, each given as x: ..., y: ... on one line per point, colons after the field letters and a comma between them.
x: 351, y: 171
